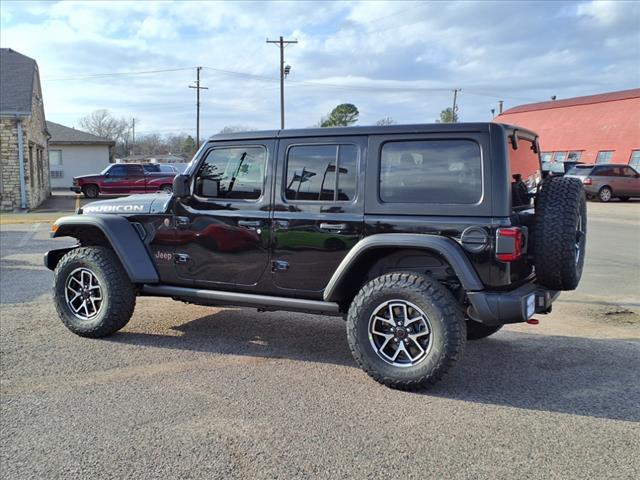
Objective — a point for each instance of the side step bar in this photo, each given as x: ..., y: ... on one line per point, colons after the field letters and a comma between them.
x: 243, y: 299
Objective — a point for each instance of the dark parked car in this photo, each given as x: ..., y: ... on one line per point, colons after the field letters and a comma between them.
x: 608, y: 181
x: 420, y: 236
x: 124, y: 178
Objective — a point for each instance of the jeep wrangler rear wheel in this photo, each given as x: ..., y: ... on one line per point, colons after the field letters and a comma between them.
x: 405, y: 330
x: 92, y: 292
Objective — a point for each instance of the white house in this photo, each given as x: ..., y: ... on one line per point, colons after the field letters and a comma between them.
x: 74, y: 152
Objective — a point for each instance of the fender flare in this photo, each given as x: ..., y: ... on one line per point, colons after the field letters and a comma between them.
x: 445, y: 247
x: 123, y: 238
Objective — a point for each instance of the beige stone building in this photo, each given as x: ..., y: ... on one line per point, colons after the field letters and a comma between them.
x: 24, y: 160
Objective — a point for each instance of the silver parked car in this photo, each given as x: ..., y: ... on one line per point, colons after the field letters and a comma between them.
x: 608, y: 181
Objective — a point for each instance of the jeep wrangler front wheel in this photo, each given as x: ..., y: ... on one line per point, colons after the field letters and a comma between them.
x: 92, y: 293
x: 405, y: 330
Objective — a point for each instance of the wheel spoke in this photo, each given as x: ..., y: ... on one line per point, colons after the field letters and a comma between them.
x: 391, y: 316
x: 412, y: 320
x: 382, y: 334
x: 77, y: 281
x: 395, y: 355
x: 415, y: 342
x: 382, y: 319
x: 385, y: 343
x: 413, y: 336
x: 93, y: 304
x: 86, y: 308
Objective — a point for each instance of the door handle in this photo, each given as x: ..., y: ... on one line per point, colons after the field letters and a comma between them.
x: 281, y: 224
x: 250, y: 223
x: 333, y: 227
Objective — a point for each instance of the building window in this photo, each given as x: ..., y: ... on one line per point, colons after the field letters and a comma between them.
x: 559, y: 156
x: 634, y: 161
x: 545, y: 157
x: 604, y: 156
x: 57, y: 173
x: 574, y: 156
x: 321, y: 173
x: 55, y: 157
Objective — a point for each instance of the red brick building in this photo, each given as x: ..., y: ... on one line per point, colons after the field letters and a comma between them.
x: 601, y: 128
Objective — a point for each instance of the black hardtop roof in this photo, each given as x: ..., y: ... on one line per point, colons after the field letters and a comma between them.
x: 370, y: 130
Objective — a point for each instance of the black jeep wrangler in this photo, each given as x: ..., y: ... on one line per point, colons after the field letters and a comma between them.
x: 421, y: 236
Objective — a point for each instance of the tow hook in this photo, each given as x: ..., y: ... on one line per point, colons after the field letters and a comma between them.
x: 533, y: 321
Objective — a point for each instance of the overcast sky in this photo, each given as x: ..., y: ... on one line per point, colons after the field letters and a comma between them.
x: 397, y: 59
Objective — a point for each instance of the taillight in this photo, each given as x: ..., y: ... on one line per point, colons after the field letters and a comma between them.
x: 587, y: 181
x: 508, y: 244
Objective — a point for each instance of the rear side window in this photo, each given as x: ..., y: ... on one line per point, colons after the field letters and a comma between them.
x: 151, y: 167
x: 431, y: 171
x: 580, y: 171
x: 133, y: 170
x: 606, y: 172
x: 321, y: 173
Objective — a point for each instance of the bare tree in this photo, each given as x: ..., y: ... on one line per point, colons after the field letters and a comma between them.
x: 386, y: 121
x: 103, y: 124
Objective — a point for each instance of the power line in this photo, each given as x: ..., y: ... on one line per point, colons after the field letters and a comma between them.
x: 115, y: 74
x: 305, y: 83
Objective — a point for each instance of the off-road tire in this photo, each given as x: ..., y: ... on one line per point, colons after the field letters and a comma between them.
x: 605, y: 194
x: 477, y: 330
x: 91, y: 191
x: 559, y: 248
x: 447, y: 326
x: 117, y: 290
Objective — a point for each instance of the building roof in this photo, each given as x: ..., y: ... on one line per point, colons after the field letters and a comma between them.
x: 66, y: 135
x: 16, y: 82
x: 572, y: 102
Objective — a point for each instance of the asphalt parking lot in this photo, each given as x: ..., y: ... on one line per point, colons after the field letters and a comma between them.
x: 194, y: 392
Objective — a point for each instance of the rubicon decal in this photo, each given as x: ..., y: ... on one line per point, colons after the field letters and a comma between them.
x: 114, y: 208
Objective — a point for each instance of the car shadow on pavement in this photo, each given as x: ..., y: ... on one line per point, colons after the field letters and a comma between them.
x: 574, y: 375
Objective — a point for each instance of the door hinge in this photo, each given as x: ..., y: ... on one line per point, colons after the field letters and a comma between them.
x: 181, y: 258
x: 279, y: 266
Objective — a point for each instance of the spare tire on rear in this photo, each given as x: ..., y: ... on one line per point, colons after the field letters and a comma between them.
x: 560, y: 233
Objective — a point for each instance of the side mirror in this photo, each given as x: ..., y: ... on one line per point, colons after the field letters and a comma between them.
x: 181, y: 186
x: 210, y: 188
x: 107, y: 174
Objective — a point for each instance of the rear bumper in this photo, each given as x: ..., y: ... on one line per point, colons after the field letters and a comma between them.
x: 76, y: 189
x: 519, y: 305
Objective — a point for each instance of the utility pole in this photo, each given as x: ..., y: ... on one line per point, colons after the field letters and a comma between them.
x: 282, y: 43
x: 453, y: 111
x: 133, y: 141
x: 198, y: 88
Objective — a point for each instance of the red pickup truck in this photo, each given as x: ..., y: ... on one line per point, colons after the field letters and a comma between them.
x: 121, y: 178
